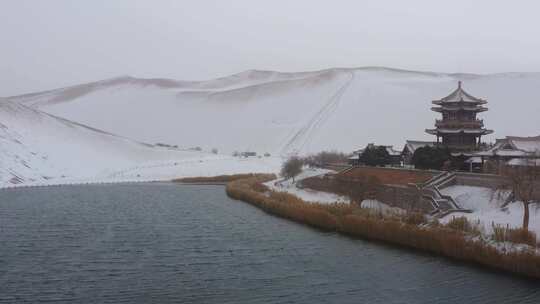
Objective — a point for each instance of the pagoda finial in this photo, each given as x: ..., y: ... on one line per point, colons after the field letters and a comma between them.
x: 459, y: 84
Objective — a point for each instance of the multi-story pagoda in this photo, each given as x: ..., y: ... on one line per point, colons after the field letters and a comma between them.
x: 459, y: 128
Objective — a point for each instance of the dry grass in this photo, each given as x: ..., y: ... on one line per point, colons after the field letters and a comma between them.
x: 415, y: 218
x: 452, y: 240
x: 514, y: 235
x: 221, y: 178
x: 462, y: 224
x: 389, y: 175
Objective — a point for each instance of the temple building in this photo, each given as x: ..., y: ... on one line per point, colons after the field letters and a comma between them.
x: 411, y: 146
x: 459, y: 129
x: 511, y: 151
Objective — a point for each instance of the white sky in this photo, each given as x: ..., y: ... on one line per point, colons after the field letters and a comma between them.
x: 54, y: 43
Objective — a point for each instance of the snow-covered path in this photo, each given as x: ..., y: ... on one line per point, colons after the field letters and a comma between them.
x: 304, y: 136
x: 307, y: 195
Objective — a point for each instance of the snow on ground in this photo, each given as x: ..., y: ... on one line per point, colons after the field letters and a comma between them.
x: 487, y: 209
x: 282, y: 113
x: 476, y: 198
x: 40, y: 149
x: 307, y: 195
x: 261, y: 111
x: 204, y: 166
x: 381, y: 207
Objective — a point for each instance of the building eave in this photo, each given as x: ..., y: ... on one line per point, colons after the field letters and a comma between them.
x: 461, y: 108
x: 457, y: 131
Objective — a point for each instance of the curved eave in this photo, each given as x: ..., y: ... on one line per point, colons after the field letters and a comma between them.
x: 459, y: 95
x: 457, y: 131
x: 455, y: 109
x: 442, y: 102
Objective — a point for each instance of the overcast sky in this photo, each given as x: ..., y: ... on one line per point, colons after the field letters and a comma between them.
x: 54, y: 43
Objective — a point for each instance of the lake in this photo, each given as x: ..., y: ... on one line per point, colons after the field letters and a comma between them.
x: 170, y: 243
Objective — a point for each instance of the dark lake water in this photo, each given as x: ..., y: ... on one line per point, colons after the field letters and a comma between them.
x: 166, y: 243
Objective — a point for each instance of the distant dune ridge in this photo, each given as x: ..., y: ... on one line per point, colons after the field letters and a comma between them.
x: 262, y: 111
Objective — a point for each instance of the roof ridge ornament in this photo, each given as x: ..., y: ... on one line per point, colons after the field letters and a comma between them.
x: 459, y: 84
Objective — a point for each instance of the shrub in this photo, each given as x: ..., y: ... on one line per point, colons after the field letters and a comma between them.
x: 513, y: 235
x: 430, y: 157
x: 414, y: 218
x: 521, y: 236
x: 375, y: 156
x: 499, y: 233
x: 325, y: 158
x: 459, y: 223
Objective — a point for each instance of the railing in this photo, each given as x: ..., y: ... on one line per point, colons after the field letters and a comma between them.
x: 443, y: 204
x: 434, y: 178
x: 454, y: 123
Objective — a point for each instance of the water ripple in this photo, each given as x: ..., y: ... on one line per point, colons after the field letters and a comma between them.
x: 164, y: 243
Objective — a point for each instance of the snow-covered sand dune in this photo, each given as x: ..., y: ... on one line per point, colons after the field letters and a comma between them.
x: 38, y: 148
x: 283, y: 113
x: 262, y: 111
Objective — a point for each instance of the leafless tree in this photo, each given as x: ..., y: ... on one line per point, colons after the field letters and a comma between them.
x: 292, y: 167
x: 522, y: 180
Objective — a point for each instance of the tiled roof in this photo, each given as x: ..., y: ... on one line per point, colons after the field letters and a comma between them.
x: 412, y: 145
x: 459, y: 95
x: 514, y: 146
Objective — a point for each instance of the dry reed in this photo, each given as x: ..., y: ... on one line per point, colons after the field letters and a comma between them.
x: 453, y: 240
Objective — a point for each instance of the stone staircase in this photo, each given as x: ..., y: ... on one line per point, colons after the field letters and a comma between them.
x: 442, y: 204
x: 431, y: 194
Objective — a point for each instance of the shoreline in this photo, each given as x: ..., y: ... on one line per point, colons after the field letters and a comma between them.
x: 219, y: 180
x: 342, y: 219
x: 438, y: 240
x: 81, y: 183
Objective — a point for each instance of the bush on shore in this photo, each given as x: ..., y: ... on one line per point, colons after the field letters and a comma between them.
x: 324, y: 158
x: 462, y: 224
x: 453, y: 240
x: 222, y: 178
x: 514, y: 235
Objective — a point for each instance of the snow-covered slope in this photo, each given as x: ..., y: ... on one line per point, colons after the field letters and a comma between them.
x: 38, y: 148
x: 262, y: 111
x: 486, y: 208
x: 282, y: 113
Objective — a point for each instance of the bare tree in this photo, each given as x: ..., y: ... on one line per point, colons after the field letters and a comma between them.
x: 522, y: 181
x: 292, y: 167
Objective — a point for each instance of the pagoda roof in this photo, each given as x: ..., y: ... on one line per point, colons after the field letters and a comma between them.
x: 461, y: 130
x: 459, y: 95
x: 458, y: 108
